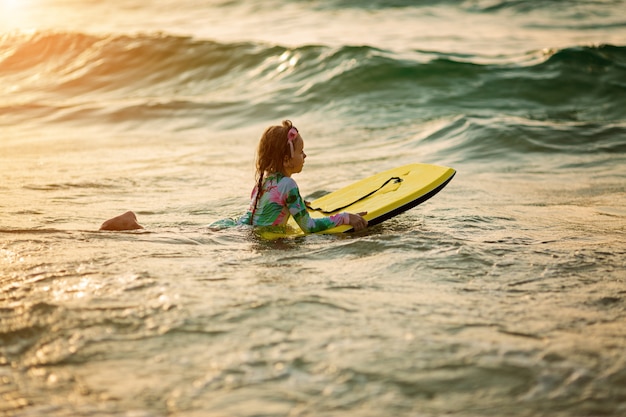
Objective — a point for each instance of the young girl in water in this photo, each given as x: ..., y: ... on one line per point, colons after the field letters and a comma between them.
x: 276, y: 195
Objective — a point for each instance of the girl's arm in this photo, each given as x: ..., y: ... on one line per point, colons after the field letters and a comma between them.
x: 297, y: 209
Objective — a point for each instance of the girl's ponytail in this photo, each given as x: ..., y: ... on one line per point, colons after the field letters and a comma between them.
x: 259, y: 190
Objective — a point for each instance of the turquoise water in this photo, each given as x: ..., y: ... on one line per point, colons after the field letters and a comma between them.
x: 504, y: 295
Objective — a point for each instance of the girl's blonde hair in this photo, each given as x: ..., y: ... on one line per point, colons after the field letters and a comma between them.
x: 271, y: 153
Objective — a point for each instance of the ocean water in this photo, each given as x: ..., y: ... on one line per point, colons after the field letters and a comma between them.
x: 504, y: 295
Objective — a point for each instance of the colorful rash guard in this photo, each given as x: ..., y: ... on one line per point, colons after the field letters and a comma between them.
x: 280, y: 198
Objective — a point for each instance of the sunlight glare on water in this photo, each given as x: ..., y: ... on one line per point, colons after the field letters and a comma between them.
x: 18, y: 14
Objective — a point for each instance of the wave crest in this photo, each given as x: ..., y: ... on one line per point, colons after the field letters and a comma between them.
x: 157, y: 76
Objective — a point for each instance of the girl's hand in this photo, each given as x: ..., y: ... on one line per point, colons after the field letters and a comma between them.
x: 357, y: 221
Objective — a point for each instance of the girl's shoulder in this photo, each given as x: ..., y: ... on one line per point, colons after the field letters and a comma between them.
x: 282, y: 181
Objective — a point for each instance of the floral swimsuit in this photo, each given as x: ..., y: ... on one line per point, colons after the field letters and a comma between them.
x: 280, y: 198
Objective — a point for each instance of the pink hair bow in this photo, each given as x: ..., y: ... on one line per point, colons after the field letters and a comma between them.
x: 292, y: 134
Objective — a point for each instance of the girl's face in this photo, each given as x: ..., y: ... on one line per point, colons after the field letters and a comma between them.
x: 294, y: 164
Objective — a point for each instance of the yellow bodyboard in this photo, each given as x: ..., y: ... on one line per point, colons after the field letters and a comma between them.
x: 382, y: 196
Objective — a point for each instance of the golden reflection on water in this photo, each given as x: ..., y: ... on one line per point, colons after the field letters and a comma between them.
x: 16, y: 14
